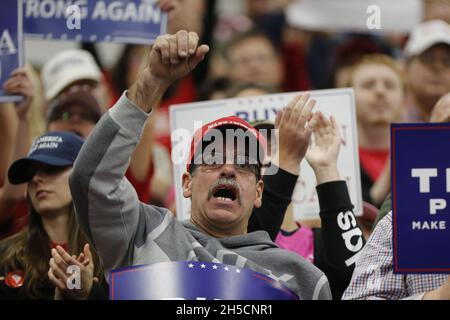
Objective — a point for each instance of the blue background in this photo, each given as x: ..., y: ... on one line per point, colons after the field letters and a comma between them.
x: 420, y: 146
x: 175, y: 279
x: 133, y: 32
x: 9, y: 19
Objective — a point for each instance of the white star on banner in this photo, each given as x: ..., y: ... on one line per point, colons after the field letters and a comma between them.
x: 202, y: 266
x: 214, y: 267
x: 226, y: 268
x: 191, y: 265
x: 238, y: 271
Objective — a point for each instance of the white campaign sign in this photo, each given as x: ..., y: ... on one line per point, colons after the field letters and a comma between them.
x: 337, y: 102
x: 355, y: 15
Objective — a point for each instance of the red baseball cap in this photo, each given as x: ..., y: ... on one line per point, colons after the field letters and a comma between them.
x: 228, y: 122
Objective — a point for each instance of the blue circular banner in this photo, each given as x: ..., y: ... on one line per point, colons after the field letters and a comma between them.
x: 192, y: 280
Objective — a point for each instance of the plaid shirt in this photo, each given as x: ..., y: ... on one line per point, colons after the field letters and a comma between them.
x: 373, y: 277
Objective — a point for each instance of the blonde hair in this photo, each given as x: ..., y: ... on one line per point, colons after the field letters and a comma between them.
x: 380, y: 59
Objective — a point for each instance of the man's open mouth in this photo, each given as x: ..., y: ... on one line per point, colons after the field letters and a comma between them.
x: 225, y: 193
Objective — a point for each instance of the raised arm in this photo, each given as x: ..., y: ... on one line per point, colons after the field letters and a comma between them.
x: 106, y: 204
x: 293, y: 135
x: 340, y: 236
x: 19, y: 120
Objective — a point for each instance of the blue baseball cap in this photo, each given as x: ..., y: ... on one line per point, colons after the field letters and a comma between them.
x: 57, y: 148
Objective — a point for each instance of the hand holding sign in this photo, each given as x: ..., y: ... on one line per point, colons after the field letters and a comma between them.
x: 322, y: 156
x: 20, y: 84
x: 171, y: 58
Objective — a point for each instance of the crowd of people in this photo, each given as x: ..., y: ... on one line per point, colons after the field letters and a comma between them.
x: 86, y: 171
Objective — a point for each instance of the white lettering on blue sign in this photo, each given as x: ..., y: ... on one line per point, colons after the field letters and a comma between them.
x: 429, y: 225
x: 424, y: 175
x: 437, y: 204
x: 49, y: 9
x: 6, y: 44
x: 126, y: 11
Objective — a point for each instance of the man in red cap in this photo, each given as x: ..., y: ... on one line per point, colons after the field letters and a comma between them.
x: 223, y: 181
x: 225, y: 156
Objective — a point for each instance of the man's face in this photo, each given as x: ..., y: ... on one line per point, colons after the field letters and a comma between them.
x: 223, y: 195
x: 379, y: 94
x: 429, y: 75
x: 254, y: 60
x: 74, y: 118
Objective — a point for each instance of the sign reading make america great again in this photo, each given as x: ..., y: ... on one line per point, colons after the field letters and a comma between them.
x: 11, y: 44
x: 421, y: 197
x: 124, y: 21
x: 194, y: 280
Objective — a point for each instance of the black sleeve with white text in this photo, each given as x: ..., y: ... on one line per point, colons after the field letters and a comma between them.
x: 340, y: 238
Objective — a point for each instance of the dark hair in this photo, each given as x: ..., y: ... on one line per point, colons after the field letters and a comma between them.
x: 29, y: 251
x: 121, y: 69
x: 239, y: 38
x: 351, y: 49
x: 210, y: 87
x: 239, y: 87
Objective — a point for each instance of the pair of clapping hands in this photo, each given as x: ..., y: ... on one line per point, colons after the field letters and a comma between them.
x: 72, y: 276
x: 296, y: 124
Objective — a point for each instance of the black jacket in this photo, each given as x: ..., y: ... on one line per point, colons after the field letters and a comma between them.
x: 330, y: 248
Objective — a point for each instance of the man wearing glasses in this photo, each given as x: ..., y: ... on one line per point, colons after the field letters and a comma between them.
x: 223, y: 181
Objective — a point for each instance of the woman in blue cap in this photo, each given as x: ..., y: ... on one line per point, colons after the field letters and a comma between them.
x: 52, y: 231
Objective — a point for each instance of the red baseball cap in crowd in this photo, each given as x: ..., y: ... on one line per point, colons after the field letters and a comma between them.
x: 231, y: 122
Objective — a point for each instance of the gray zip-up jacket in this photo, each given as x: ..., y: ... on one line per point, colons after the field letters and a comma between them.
x: 127, y: 232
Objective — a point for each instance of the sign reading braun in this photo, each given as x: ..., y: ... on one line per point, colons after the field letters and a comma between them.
x: 421, y: 197
x: 126, y: 21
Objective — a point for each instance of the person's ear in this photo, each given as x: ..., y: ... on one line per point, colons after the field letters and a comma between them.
x: 187, y: 184
x: 259, y: 194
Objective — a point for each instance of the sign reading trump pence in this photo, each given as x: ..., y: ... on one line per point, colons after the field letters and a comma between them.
x: 421, y: 197
x: 11, y: 44
x: 186, y: 118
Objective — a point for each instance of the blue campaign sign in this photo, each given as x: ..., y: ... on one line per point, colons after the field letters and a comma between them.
x: 192, y: 280
x: 421, y: 197
x: 124, y: 21
x: 11, y: 44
